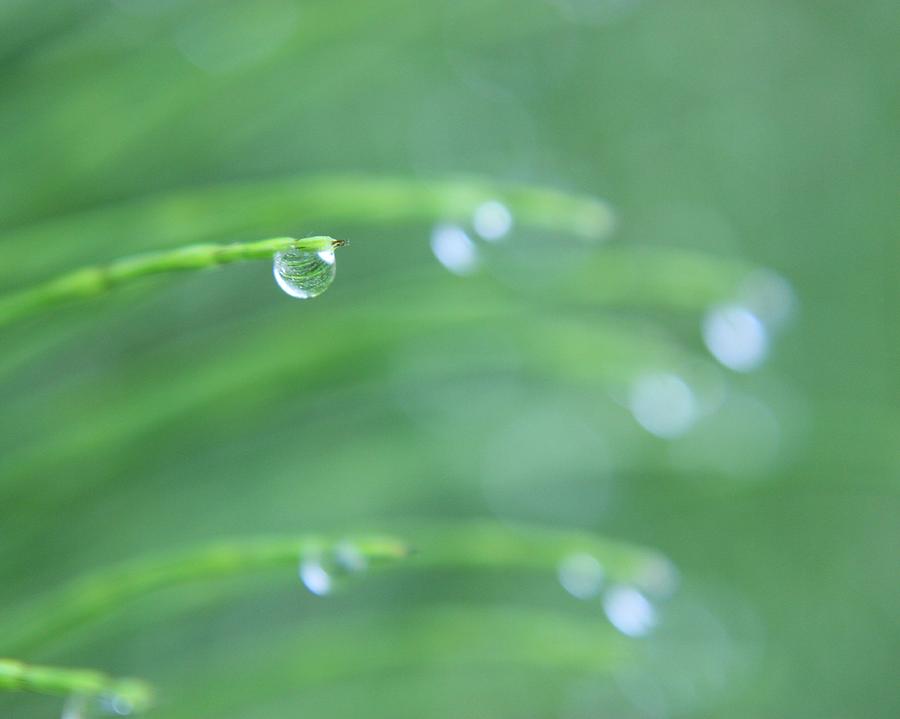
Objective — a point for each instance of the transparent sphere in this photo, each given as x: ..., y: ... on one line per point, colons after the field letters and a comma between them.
x: 304, y: 273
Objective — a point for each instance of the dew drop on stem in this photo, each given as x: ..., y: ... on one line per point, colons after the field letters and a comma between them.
x: 304, y: 273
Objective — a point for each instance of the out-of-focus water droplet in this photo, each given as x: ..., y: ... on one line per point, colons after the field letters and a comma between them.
x: 315, y: 576
x: 304, y: 273
x: 663, y: 404
x: 348, y: 557
x: 79, y: 706
x: 454, y: 249
x: 736, y: 337
x: 768, y: 296
x: 581, y: 575
x: 321, y: 571
x: 629, y: 611
x: 115, y: 705
x: 657, y: 577
x: 492, y: 220
x: 75, y: 707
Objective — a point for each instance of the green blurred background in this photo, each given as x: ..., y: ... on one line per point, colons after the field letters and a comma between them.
x: 520, y: 388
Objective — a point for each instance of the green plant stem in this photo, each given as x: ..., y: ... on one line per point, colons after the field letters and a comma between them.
x: 92, y: 281
x: 16, y: 676
x: 97, y: 596
x: 482, y: 545
x: 269, y: 207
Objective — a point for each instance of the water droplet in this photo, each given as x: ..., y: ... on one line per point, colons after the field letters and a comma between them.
x: 349, y: 558
x: 321, y: 570
x: 314, y: 576
x: 768, y: 296
x: 629, y: 611
x: 75, y: 707
x: 304, y: 273
x: 80, y: 706
x: 581, y: 575
x: 663, y: 404
x: 657, y: 577
x: 454, y: 250
x: 492, y: 220
x: 736, y: 337
x: 115, y: 705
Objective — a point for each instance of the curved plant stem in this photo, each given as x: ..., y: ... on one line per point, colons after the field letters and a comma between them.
x: 290, y: 204
x: 16, y: 676
x: 91, y: 281
x: 486, y: 544
x: 466, y: 545
x: 97, y: 596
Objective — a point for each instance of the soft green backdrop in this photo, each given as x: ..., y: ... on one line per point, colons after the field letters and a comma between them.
x: 207, y: 406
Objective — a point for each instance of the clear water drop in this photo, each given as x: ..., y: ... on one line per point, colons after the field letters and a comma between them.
x: 304, y: 273
x: 629, y: 611
x: 581, y: 575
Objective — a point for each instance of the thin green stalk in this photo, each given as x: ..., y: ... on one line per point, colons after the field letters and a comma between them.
x: 94, y: 597
x: 267, y: 207
x: 130, y: 694
x: 482, y: 545
x: 92, y: 281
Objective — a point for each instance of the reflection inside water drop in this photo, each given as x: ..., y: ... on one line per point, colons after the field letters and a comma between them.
x: 629, y: 611
x: 304, y: 273
x: 581, y: 575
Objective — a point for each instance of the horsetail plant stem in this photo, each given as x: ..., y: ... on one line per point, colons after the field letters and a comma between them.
x: 94, y: 597
x: 481, y: 545
x: 91, y: 281
x: 16, y: 676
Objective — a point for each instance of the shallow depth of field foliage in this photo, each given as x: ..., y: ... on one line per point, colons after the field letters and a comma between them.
x: 503, y: 477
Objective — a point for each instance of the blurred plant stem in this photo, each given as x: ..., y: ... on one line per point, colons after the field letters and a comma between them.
x: 467, y: 545
x: 127, y: 694
x: 93, y: 597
